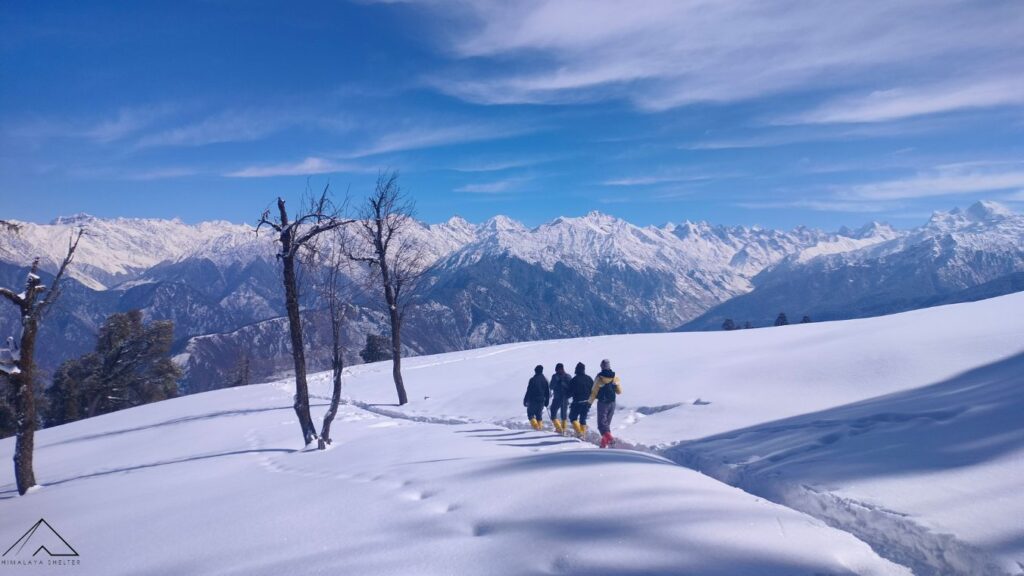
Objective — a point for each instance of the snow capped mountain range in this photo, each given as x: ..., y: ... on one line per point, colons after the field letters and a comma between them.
x: 123, y: 249
x: 119, y: 250
x: 499, y: 281
x: 953, y: 252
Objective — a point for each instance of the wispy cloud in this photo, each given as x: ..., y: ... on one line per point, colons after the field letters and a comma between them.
x: 948, y: 180
x: 124, y: 123
x: 495, y: 187
x: 418, y: 137
x: 661, y: 54
x: 126, y: 171
x: 998, y: 177
x: 310, y: 165
x: 160, y: 173
x: 228, y: 126
x: 502, y: 165
x: 764, y: 141
x: 899, y: 103
x: 655, y: 180
x: 127, y: 122
x: 821, y: 206
x: 776, y: 133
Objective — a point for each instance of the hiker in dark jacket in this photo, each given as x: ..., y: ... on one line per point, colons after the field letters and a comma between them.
x: 537, y: 396
x: 560, y: 382
x: 606, y: 388
x: 580, y: 388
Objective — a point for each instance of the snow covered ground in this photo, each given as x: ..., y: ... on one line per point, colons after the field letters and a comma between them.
x: 214, y: 484
x: 904, y: 432
x: 907, y: 430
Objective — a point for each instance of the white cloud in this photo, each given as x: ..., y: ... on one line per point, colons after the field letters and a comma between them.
x: 311, y: 165
x: 898, y: 103
x: 653, y: 180
x: 417, y: 137
x: 660, y: 54
x: 946, y: 180
x: 127, y: 122
x: 821, y: 206
x: 888, y: 195
x: 122, y: 124
x: 496, y: 187
x: 161, y: 174
x: 229, y: 126
x: 503, y: 164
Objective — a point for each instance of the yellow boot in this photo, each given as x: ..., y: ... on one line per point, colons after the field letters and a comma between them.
x: 536, y: 425
x: 559, y: 426
x: 576, y: 427
x: 583, y: 430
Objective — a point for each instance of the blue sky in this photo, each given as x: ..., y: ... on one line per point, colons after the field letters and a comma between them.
x: 766, y: 112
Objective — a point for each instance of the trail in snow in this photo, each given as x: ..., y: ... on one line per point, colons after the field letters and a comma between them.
x: 893, y: 535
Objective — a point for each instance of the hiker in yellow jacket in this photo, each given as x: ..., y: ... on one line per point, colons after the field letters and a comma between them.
x: 606, y: 388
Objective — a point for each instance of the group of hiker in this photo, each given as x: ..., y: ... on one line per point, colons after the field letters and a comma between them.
x: 570, y: 399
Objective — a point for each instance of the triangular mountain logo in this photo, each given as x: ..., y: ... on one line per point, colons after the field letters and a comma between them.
x: 41, y: 537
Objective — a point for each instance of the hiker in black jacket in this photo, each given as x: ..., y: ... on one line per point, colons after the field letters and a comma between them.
x: 537, y: 396
x: 580, y: 388
x: 560, y: 392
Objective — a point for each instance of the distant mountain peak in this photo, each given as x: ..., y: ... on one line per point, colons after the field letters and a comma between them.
x: 987, y: 210
x: 688, y: 228
x: 456, y: 223
x: 79, y: 218
x: 600, y: 220
x: 502, y: 223
x: 873, y: 229
x: 983, y: 211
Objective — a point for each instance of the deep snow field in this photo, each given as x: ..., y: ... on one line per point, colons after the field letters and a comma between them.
x: 905, y: 433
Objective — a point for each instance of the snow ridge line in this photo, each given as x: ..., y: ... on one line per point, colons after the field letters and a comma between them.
x: 892, y: 535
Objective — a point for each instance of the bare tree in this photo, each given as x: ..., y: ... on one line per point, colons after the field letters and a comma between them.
x: 330, y: 264
x: 317, y: 217
x: 22, y: 373
x: 397, y: 262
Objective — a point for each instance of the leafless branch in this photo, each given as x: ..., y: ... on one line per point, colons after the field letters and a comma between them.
x: 55, y: 288
x: 14, y: 298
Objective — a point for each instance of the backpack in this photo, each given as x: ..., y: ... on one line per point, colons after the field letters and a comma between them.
x: 607, y: 392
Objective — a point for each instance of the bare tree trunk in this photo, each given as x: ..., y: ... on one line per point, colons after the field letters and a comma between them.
x: 295, y: 327
x: 25, y: 410
x: 319, y: 217
x: 396, y: 356
x: 337, y: 365
x: 23, y: 379
x: 396, y: 322
x: 399, y: 262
